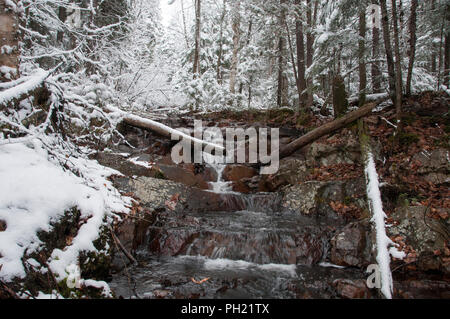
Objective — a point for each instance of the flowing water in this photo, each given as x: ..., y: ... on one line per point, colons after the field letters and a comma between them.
x: 256, y: 251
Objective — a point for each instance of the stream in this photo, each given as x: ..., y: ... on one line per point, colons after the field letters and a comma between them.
x: 261, y: 251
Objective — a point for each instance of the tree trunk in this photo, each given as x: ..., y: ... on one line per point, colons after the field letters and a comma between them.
x: 447, y: 50
x: 9, y: 37
x: 433, y: 48
x: 236, y: 40
x: 328, y: 128
x: 62, y: 16
x: 412, y: 44
x: 183, y: 16
x: 309, y: 50
x: 219, y: 55
x: 300, y: 57
x: 282, y: 94
x: 361, y: 55
x: 375, y: 68
x: 398, y: 65
x: 388, y: 49
x: 196, y: 68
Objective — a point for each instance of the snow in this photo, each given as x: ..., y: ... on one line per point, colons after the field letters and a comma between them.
x: 140, y: 163
x: 33, y: 82
x: 35, y: 191
x: 378, y: 218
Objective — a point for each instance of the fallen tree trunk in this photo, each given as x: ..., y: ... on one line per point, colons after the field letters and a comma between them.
x: 159, y: 128
x: 329, y: 128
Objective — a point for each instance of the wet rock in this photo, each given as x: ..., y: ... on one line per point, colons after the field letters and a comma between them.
x: 2, y: 225
x: 314, y: 198
x: 303, y: 197
x: 291, y: 172
x: 233, y: 237
x: 183, y: 175
x: 352, y: 245
x: 424, y: 234
x: 233, y: 173
x: 156, y: 193
x: 352, y: 289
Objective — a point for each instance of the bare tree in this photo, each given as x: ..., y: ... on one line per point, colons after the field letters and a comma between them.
x: 282, y: 94
x: 388, y: 49
x: 196, y: 68
x: 375, y: 67
x: 412, y: 44
x: 398, y: 66
x: 236, y: 16
x: 361, y: 54
x: 220, y: 53
x: 300, y: 55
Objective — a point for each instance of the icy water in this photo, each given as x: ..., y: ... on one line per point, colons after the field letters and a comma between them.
x: 258, y: 252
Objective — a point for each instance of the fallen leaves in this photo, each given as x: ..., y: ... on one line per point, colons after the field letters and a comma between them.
x: 172, y: 203
x: 199, y: 282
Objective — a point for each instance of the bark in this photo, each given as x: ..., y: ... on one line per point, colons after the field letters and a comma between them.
x: 398, y: 66
x: 196, y: 68
x: 447, y: 50
x: 163, y: 130
x: 219, y: 55
x: 236, y: 41
x: 282, y: 94
x: 300, y: 58
x: 361, y: 53
x: 433, y: 49
x: 9, y: 36
x: 62, y: 16
x: 329, y: 128
x: 184, y: 24
x: 309, y: 48
x: 412, y: 44
x: 388, y: 49
x: 375, y: 68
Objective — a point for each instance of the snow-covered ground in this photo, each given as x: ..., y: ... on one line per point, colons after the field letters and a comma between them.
x: 35, y: 191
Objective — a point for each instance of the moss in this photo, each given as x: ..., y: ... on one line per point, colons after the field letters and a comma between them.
x: 61, y: 231
x: 96, y: 265
x: 303, y: 119
x: 407, y: 138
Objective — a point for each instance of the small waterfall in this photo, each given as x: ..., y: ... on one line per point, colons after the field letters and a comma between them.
x: 217, y: 162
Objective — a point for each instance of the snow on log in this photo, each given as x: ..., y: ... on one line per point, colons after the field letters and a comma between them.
x: 378, y: 219
x: 159, y: 128
x: 22, y: 89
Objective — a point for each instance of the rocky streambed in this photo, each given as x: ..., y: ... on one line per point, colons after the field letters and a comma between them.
x: 292, y: 234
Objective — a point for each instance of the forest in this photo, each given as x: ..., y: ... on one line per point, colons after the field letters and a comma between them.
x: 348, y: 100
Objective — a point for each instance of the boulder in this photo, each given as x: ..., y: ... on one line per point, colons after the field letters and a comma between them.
x: 425, y: 235
x: 291, y: 171
x: 351, y: 246
x: 316, y: 198
x: 352, y: 289
x: 233, y: 173
x: 2, y: 225
x: 434, y: 166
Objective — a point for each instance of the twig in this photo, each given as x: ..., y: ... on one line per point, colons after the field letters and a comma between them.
x: 120, y: 245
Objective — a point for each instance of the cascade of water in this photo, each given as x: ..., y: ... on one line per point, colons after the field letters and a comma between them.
x: 217, y: 162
